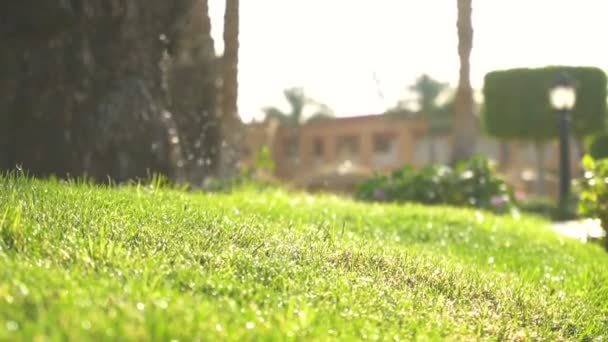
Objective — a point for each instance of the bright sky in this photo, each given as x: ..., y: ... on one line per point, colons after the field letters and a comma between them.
x: 333, y: 48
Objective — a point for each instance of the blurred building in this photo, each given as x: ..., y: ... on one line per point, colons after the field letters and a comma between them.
x: 336, y: 153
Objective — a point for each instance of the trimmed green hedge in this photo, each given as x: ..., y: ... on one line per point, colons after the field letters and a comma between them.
x: 598, y: 146
x: 517, y: 103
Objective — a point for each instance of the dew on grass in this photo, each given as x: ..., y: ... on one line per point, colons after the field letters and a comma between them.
x: 12, y: 326
x: 86, y: 325
x: 24, y: 290
x: 250, y: 325
x: 162, y: 304
x: 479, y: 217
x: 490, y: 260
x: 515, y: 214
x: 141, y: 306
x: 218, y: 327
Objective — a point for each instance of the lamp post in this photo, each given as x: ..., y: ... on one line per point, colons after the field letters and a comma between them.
x: 563, y: 98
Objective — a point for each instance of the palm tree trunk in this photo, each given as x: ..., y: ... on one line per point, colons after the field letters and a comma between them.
x: 232, y: 129
x: 80, y: 91
x: 192, y: 90
x: 465, y: 123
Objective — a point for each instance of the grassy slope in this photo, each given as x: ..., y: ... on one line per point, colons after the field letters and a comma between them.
x: 89, y: 262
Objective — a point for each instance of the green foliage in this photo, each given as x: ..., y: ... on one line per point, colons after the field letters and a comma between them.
x: 400, y: 113
x: 545, y: 207
x: 548, y: 208
x: 298, y: 102
x: 264, y: 161
x: 427, y: 90
x: 471, y: 183
x: 255, y: 177
x: 132, y: 263
x: 598, y: 146
x: 480, y: 186
x: 321, y: 116
x: 517, y: 102
x: 593, y: 189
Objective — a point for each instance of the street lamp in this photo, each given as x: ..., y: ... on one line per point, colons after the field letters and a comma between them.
x: 563, y: 98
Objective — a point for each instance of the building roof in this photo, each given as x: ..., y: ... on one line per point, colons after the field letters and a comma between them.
x: 358, y: 118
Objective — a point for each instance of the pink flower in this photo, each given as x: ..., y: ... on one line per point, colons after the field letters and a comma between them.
x: 498, y: 201
x: 379, y: 194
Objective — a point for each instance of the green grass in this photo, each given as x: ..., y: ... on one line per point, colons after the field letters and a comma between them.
x: 79, y: 262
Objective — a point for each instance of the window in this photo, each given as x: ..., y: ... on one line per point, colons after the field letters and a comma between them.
x: 318, y: 148
x: 383, y: 144
x: 290, y: 148
x: 385, y: 149
x: 348, y: 148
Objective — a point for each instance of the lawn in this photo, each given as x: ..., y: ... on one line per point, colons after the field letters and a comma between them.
x: 81, y: 262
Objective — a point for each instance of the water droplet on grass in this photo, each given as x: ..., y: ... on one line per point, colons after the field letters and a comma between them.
x: 250, y: 325
x: 12, y: 326
x: 490, y: 260
x: 86, y: 325
x: 24, y: 290
x: 141, y: 306
x: 163, y: 304
x: 479, y: 217
x: 218, y: 327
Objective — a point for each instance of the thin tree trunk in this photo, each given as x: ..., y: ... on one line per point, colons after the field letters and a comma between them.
x: 232, y: 128
x: 465, y: 124
x: 541, y: 177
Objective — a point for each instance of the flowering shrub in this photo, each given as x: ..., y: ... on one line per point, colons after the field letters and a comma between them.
x: 473, y: 183
x: 593, y: 189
